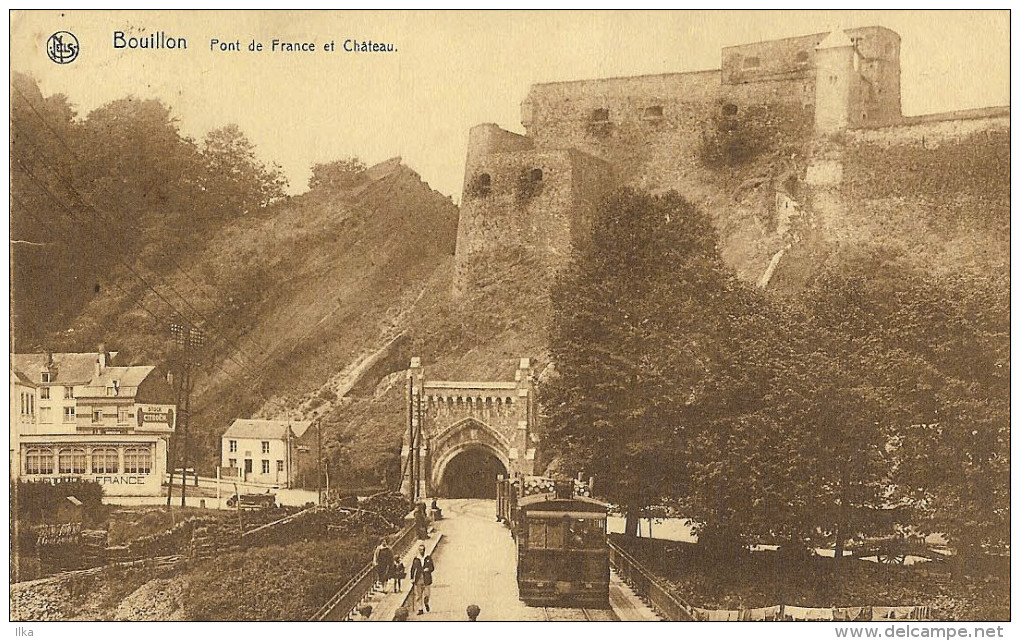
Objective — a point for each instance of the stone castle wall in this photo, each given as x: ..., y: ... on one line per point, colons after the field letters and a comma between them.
x: 814, y: 94
x: 532, y: 199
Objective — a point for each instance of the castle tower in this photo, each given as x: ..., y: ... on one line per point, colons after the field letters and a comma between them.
x: 835, y: 82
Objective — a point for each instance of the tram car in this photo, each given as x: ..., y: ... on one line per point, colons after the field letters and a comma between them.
x: 562, y: 547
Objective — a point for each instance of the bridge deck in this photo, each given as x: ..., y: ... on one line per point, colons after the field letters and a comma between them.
x: 476, y: 564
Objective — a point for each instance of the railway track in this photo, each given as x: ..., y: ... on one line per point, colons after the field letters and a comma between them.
x: 576, y: 614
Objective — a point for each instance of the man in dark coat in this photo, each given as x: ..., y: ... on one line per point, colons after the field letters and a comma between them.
x: 383, y: 559
x: 421, y: 578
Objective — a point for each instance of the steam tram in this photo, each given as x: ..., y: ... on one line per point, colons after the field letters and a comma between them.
x: 562, y: 548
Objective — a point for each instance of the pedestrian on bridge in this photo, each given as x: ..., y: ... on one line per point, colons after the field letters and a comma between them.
x: 383, y: 559
x: 398, y: 574
x: 421, y: 579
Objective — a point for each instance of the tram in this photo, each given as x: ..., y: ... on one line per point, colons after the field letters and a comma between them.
x: 562, y: 547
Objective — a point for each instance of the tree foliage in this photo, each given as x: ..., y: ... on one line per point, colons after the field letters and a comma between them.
x: 633, y: 339
x: 91, y: 193
x: 337, y: 175
x: 874, y: 402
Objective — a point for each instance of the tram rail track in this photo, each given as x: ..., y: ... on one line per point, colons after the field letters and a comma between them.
x: 567, y: 614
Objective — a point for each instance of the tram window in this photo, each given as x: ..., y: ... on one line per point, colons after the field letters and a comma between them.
x: 554, y: 535
x: 586, y: 534
x: 536, y: 535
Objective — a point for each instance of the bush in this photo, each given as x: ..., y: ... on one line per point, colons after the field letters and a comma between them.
x: 38, y: 502
x: 339, y: 174
x: 276, y: 583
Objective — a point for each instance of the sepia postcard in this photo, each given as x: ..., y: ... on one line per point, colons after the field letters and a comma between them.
x: 498, y: 316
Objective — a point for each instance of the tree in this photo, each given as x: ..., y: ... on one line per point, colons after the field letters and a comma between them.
x: 234, y: 181
x: 337, y: 175
x: 633, y: 337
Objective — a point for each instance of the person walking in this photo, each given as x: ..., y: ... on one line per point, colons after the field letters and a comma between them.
x: 383, y: 559
x: 421, y: 579
x: 421, y: 522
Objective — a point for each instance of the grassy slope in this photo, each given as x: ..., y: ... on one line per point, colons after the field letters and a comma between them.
x: 300, y: 292
x: 326, y: 281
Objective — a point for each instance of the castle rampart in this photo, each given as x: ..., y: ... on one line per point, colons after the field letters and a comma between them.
x: 796, y: 101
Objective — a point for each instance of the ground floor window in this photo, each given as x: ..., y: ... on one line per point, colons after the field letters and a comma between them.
x: 105, y: 461
x: 71, y: 460
x: 265, y: 466
x: 279, y: 466
x: 138, y: 460
x: 39, y: 461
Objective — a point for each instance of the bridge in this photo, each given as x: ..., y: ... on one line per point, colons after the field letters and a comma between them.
x: 460, y: 435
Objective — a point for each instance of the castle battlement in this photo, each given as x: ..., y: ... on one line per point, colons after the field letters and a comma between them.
x: 537, y: 191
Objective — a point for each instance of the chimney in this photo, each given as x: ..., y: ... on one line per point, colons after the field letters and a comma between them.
x: 101, y: 360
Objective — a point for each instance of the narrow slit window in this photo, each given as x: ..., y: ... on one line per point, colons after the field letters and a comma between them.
x: 655, y: 111
x: 600, y: 115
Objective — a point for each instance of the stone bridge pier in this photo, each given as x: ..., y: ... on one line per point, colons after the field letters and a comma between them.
x: 460, y: 435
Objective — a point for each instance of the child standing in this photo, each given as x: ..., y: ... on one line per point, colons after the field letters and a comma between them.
x: 398, y: 573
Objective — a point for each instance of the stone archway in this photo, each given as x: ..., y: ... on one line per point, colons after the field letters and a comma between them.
x: 449, y: 419
x: 468, y: 471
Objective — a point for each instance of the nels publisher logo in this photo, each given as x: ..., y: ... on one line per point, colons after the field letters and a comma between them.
x: 62, y: 47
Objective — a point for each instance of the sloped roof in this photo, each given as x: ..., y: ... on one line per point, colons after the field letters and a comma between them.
x: 835, y: 40
x: 22, y: 379
x: 71, y: 368
x: 125, y: 376
x: 262, y: 429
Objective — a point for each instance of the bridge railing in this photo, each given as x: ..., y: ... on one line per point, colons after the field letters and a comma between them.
x: 638, y: 577
x: 342, y: 604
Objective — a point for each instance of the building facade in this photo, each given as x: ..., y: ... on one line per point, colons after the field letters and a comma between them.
x: 81, y: 417
x: 262, y: 451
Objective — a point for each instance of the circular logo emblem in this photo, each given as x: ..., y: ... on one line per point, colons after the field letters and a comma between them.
x: 62, y: 47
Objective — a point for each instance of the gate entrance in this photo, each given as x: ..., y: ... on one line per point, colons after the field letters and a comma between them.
x: 471, y: 474
x: 460, y: 435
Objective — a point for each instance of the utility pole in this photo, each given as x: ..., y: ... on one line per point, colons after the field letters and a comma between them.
x: 318, y: 463
x: 188, y: 338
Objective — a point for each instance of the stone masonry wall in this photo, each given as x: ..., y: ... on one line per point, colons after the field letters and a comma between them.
x: 528, y: 199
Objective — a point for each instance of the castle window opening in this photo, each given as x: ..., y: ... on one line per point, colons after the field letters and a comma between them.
x: 536, y: 175
x: 752, y: 62
x: 484, y: 184
x: 802, y: 57
x: 729, y: 109
x: 655, y: 111
x: 600, y: 115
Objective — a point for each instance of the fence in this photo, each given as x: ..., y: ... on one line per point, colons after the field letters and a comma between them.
x: 340, y: 606
x: 645, y: 584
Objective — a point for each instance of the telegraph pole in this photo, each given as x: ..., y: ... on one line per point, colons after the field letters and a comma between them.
x: 188, y: 338
x: 318, y: 465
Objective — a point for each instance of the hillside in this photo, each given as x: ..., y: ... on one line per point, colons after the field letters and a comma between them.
x: 314, y: 306
x: 288, y: 298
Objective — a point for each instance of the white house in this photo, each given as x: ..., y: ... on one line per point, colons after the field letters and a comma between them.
x: 263, y: 451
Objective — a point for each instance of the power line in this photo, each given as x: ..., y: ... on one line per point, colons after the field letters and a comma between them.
x: 81, y: 200
x: 68, y: 183
x: 148, y: 285
x: 160, y: 320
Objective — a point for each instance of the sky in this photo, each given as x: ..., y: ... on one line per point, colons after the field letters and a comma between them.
x: 451, y: 70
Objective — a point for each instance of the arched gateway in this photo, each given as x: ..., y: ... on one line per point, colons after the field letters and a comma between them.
x: 459, y: 435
